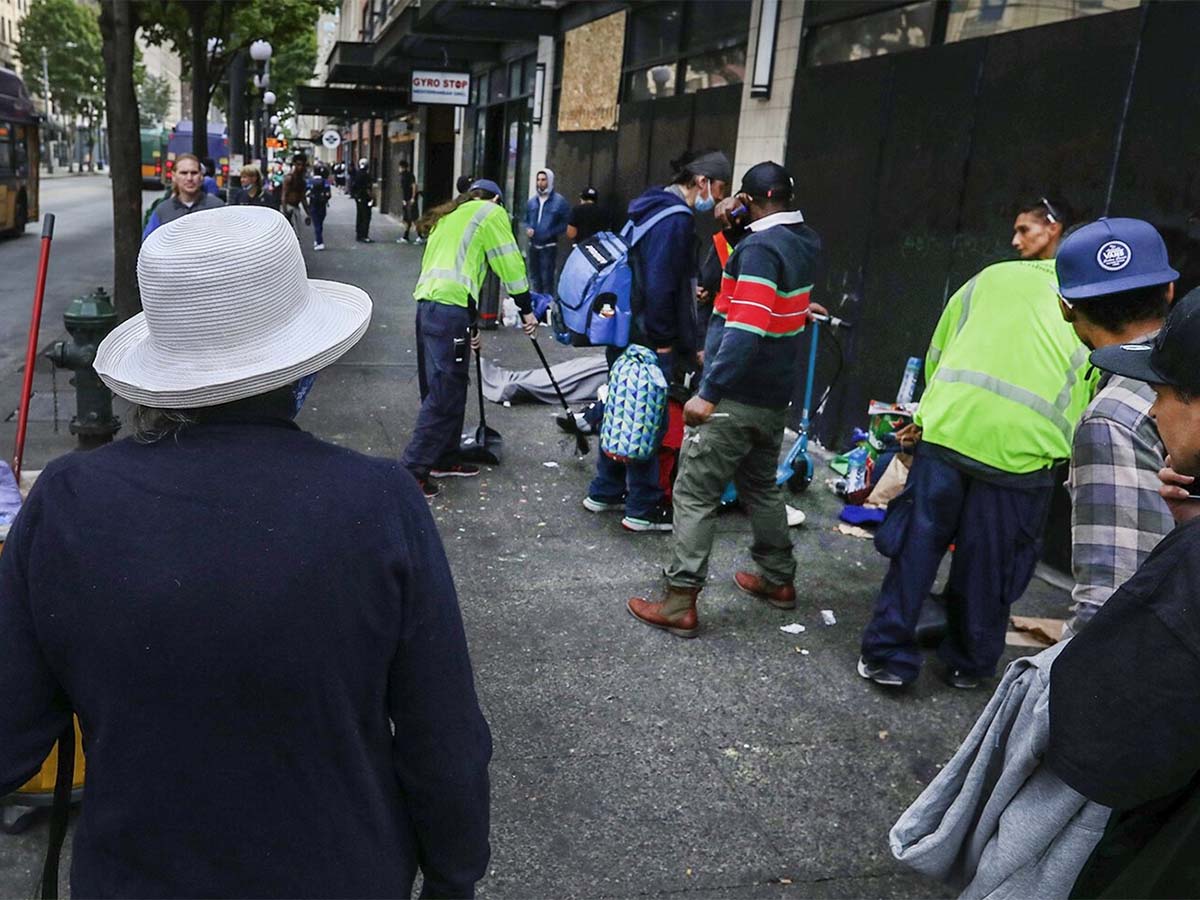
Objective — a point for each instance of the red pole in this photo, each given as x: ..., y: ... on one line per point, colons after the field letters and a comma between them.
x: 39, y: 294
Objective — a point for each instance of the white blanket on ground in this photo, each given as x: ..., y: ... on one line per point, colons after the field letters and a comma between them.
x: 579, y: 379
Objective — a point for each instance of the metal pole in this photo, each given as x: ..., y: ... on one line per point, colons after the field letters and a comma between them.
x: 46, y: 91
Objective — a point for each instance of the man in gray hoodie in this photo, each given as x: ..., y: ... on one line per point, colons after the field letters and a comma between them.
x: 546, y: 217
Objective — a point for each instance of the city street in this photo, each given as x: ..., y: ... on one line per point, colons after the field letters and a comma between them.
x: 747, y: 763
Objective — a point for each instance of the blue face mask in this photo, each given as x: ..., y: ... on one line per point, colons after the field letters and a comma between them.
x: 300, y: 393
x: 704, y: 204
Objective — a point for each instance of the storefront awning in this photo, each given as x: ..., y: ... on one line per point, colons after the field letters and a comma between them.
x: 349, y: 104
x: 494, y: 20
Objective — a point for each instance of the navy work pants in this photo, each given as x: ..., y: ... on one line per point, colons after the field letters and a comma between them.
x: 443, y: 363
x: 997, y: 536
x: 317, y: 211
x: 637, y: 482
x: 542, y: 261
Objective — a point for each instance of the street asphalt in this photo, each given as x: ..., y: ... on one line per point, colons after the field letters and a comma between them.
x: 747, y: 763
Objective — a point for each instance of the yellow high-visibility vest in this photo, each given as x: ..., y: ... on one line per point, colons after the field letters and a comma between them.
x: 1006, y: 378
x: 461, y: 247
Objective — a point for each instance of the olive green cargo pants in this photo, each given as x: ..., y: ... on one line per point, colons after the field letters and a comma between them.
x: 739, y: 444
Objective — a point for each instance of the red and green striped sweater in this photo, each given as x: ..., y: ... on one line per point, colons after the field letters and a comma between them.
x: 751, y: 352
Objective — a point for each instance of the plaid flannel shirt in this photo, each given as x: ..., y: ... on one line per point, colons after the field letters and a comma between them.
x: 1117, y: 515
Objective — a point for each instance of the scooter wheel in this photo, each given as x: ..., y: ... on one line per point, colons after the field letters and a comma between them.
x: 799, y: 481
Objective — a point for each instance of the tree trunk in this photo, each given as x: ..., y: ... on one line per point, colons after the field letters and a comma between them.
x: 118, y: 24
x: 197, y: 14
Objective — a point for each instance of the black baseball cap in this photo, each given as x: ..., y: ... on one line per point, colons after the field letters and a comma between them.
x: 1170, y: 358
x: 588, y: 194
x: 767, y: 181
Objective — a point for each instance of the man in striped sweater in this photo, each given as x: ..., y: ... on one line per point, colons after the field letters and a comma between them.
x: 735, y: 423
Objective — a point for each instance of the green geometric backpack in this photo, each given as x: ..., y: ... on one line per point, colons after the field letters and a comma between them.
x: 635, y: 411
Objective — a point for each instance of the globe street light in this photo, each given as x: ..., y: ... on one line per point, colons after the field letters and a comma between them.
x: 274, y: 120
x: 260, y: 51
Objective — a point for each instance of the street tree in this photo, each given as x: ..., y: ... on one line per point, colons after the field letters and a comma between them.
x: 118, y: 25
x: 208, y: 33
x: 69, y: 34
x: 154, y: 95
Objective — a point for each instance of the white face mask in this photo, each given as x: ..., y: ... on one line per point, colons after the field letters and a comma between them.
x: 705, y: 203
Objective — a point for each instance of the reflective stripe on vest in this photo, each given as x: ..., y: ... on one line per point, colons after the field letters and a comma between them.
x: 1054, y: 412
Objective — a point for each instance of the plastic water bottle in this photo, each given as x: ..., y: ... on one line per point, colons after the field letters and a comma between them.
x: 856, y: 474
x: 908, y: 384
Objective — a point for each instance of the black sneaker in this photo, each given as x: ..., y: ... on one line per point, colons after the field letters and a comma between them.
x: 880, y: 674
x: 658, y: 519
x: 429, y: 487
x: 457, y: 470
x: 957, y: 678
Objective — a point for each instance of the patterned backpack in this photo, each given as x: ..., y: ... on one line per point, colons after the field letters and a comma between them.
x: 635, y: 411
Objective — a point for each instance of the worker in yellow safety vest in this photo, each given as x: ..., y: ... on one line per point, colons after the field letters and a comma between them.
x: 465, y: 237
x: 1006, y: 381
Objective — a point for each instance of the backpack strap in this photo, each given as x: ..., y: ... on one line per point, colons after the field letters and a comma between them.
x: 637, y: 232
x: 63, y: 780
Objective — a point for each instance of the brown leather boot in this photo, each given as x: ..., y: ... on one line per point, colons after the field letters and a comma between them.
x: 780, y: 596
x: 676, y: 612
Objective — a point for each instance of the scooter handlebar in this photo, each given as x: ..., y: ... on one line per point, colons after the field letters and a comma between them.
x: 832, y: 321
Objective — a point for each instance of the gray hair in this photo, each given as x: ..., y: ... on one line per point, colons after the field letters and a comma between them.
x: 151, y: 425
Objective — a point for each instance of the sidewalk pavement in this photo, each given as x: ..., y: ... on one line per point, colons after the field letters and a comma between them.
x: 747, y: 763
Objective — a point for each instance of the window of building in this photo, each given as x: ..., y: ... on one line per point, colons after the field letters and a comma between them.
x: 981, y: 18
x: 890, y: 31
x: 676, y: 48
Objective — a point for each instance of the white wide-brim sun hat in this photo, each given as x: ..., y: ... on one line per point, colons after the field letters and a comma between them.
x: 228, y: 312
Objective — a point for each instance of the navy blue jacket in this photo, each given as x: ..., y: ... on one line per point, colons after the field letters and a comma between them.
x: 664, y: 262
x: 240, y: 617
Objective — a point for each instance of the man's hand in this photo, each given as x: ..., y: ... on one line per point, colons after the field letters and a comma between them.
x: 909, y: 436
x: 703, y: 296
x: 697, y: 411
x: 528, y: 232
x: 1175, y: 490
x: 818, y: 309
x: 529, y: 324
x: 476, y: 340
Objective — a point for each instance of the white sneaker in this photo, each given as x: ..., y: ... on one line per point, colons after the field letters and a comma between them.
x: 402, y: 240
x: 318, y: 246
x: 418, y: 240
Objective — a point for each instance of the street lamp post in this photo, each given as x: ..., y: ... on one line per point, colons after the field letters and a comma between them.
x: 46, y: 97
x: 260, y: 52
x: 268, y: 103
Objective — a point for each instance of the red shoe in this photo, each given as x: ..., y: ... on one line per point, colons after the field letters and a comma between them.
x: 780, y: 596
x: 675, y: 613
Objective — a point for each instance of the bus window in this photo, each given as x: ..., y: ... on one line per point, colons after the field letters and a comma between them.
x: 6, y: 160
x: 21, y: 150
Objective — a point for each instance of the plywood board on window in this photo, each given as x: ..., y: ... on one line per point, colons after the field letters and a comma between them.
x: 591, y: 79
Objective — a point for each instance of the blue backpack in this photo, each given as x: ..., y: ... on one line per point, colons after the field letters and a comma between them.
x: 596, y: 287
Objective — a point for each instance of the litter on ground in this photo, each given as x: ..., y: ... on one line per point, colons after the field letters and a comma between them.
x: 794, y: 628
x: 828, y: 617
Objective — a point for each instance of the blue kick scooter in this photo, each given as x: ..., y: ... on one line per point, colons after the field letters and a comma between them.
x: 796, y: 470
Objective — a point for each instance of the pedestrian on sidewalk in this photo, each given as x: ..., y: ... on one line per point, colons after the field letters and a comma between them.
x: 210, y: 180
x: 465, y: 237
x: 664, y: 319
x: 320, y: 191
x: 1115, y: 284
x: 187, y: 194
x: 735, y: 422
x: 546, y: 216
x: 265, y: 653
x: 1124, y: 710
x: 294, y: 194
x: 587, y: 218
x: 1006, y: 382
x: 362, y: 192
x: 251, y: 192
x: 408, y: 202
